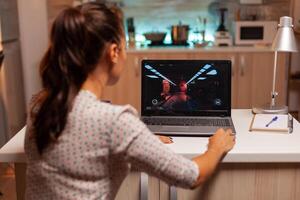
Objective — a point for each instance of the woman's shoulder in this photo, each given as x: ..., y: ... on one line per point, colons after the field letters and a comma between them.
x: 96, y: 107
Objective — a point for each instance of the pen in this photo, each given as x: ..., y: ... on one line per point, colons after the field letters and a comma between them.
x: 290, y: 123
x: 273, y: 120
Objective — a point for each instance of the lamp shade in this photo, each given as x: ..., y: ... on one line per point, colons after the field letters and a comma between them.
x: 285, y: 38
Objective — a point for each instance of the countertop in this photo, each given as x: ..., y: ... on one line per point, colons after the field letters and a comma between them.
x: 251, y: 147
x: 199, y: 49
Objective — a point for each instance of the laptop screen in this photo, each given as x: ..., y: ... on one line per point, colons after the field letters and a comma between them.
x: 186, y: 88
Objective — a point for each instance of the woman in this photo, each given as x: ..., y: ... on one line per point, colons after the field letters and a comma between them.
x: 79, y: 147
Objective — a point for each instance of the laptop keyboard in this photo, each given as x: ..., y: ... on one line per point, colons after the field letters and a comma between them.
x: 187, y: 122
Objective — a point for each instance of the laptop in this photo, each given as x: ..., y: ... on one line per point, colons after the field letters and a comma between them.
x: 186, y: 97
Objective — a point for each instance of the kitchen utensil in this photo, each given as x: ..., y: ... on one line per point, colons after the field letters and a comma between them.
x: 180, y: 34
x: 131, y: 31
x: 156, y: 38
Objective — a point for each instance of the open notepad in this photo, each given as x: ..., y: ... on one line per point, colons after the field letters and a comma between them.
x: 270, y: 122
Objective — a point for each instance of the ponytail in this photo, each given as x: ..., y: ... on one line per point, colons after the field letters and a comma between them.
x: 77, y: 42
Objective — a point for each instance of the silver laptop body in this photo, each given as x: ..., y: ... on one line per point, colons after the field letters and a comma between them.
x: 186, y: 97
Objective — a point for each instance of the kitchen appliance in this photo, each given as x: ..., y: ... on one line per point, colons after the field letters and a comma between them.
x: 255, y: 32
x: 180, y: 34
x: 222, y: 36
x: 156, y: 38
x: 202, y: 26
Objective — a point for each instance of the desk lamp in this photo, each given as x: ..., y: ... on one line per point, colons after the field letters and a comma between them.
x: 284, y: 42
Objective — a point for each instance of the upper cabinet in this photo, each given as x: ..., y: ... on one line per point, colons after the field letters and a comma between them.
x: 254, y: 76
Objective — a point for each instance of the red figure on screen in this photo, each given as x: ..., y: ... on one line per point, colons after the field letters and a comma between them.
x: 165, y: 94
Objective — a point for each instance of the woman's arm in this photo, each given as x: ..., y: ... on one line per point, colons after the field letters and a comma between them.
x: 147, y: 153
x: 219, y: 144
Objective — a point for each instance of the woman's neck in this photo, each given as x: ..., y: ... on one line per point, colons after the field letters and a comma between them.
x: 96, y: 82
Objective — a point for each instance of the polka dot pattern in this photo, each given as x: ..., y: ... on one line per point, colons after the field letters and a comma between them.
x: 95, y: 152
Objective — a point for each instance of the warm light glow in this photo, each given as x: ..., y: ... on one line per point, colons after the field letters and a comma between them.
x: 193, y: 38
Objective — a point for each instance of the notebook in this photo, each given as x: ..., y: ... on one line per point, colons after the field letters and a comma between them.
x: 186, y: 97
x: 271, y: 122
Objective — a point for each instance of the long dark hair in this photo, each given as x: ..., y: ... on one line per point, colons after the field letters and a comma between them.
x: 77, y: 42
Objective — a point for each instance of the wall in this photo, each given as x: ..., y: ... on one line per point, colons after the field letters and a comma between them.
x: 294, y: 93
x: 55, y: 6
x: 11, y: 79
x: 3, y: 117
x: 34, y: 39
x: 35, y: 17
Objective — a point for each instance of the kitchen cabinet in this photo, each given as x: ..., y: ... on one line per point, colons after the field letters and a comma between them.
x: 128, y: 88
x: 130, y: 188
x: 262, y: 77
x: 247, y: 181
x: 262, y: 180
x: 251, y: 76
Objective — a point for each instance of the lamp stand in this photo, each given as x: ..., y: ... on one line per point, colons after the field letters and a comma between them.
x: 272, y: 108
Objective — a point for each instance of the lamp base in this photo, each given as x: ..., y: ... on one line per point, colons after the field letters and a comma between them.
x: 268, y: 109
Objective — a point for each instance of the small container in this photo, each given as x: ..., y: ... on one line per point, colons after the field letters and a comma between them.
x: 180, y: 34
x: 156, y: 38
x: 131, y: 32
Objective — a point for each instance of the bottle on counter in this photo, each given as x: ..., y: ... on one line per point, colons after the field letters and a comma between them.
x: 131, y: 32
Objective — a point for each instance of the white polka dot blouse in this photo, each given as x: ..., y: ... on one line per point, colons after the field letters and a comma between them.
x: 101, y: 142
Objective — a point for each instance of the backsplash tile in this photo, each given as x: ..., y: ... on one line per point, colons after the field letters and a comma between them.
x: 160, y: 15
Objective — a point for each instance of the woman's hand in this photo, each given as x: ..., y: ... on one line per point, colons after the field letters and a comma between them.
x: 222, y: 141
x: 219, y: 144
x: 165, y: 139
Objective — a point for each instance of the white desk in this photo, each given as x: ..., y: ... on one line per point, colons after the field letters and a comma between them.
x: 251, y: 147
